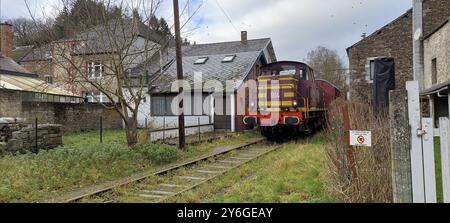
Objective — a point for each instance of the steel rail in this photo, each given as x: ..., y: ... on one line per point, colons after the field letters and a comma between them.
x: 108, y: 186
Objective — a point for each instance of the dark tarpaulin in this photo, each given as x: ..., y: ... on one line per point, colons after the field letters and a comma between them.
x: 384, y: 81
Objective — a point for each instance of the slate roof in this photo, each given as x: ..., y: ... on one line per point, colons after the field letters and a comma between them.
x: 247, y: 54
x: 15, y: 77
x: 8, y: 65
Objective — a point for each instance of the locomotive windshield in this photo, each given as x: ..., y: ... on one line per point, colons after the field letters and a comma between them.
x: 281, y: 70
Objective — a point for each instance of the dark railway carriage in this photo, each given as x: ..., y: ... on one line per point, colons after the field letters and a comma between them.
x: 289, y: 100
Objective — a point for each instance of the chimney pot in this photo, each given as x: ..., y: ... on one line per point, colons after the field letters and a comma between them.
x: 6, y: 39
x: 244, y: 36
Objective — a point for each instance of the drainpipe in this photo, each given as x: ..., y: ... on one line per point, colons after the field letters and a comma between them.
x: 418, y: 57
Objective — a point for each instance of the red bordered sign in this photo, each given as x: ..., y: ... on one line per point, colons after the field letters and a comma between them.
x: 360, y: 138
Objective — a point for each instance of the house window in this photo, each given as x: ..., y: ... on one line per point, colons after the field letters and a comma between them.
x: 97, y: 97
x: 95, y: 70
x: 201, y: 60
x: 161, y: 105
x: 372, y: 70
x: 228, y: 58
x: 434, y: 71
x: 49, y: 79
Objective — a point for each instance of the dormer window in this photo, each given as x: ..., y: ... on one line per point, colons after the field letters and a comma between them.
x: 201, y: 60
x: 228, y: 58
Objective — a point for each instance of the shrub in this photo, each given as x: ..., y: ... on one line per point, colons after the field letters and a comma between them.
x: 159, y: 153
x: 373, y: 165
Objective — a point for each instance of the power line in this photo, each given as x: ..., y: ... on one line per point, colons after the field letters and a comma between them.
x: 226, y: 15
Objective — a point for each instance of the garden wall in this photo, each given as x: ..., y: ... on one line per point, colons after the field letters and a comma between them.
x: 72, y: 117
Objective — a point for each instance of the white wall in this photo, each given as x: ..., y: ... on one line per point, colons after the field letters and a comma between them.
x: 146, y: 120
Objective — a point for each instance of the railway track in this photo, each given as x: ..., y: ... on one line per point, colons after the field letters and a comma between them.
x: 173, y: 183
x: 173, y: 180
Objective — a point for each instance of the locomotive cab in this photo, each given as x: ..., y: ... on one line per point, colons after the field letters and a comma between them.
x: 288, y: 100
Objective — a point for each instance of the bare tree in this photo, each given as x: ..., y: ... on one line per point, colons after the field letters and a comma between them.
x: 328, y: 65
x: 28, y: 32
x: 98, y: 60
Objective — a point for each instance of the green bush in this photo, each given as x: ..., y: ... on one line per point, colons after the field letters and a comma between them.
x: 159, y: 154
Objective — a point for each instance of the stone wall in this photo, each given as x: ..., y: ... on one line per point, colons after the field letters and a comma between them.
x: 48, y: 137
x: 437, y: 46
x: 393, y: 40
x: 72, y: 117
x: 10, y: 103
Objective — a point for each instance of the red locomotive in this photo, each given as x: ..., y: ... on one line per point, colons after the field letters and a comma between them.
x: 289, y: 100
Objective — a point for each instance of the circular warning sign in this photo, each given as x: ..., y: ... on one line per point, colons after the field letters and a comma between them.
x: 361, y: 139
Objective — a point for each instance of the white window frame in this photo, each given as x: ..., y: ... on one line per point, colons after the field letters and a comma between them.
x: 47, y: 78
x: 96, y: 97
x: 91, y: 70
x: 369, y: 76
x: 201, y: 60
x: 228, y: 58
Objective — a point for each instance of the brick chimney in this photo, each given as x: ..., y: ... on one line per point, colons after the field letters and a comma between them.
x: 6, y: 39
x: 244, y: 36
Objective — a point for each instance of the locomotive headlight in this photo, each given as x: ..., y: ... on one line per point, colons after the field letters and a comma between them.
x: 295, y: 103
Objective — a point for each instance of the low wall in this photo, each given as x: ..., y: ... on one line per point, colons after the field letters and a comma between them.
x: 171, y: 122
x: 72, y: 117
x: 49, y: 136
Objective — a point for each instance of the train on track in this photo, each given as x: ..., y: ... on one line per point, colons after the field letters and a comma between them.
x: 290, y: 100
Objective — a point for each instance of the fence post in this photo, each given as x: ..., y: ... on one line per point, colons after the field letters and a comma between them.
x: 164, y: 129
x: 199, y: 130
x: 214, y: 132
x: 350, y: 153
x: 36, y: 135
x: 400, y: 147
x: 101, y: 129
x: 444, y: 134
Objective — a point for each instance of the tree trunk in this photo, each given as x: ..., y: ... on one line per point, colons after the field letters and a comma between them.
x: 131, y: 132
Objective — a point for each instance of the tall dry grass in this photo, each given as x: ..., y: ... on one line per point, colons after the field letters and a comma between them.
x: 373, y: 164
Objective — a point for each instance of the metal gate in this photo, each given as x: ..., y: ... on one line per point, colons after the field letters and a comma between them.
x: 423, y: 169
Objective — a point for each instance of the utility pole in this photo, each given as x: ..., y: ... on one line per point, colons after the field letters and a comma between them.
x: 181, y: 133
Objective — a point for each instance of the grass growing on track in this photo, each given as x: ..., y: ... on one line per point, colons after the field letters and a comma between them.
x: 292, y: 174
x: 83, y: 161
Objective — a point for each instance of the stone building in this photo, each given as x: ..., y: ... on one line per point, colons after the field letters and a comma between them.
x: 393, y: 40
x: 88, y: 63
x: 437, y: 71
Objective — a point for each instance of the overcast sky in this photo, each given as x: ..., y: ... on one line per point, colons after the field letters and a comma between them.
x: 295, y: 26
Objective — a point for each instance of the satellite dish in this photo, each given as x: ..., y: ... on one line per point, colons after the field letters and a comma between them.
x: 418, y: 34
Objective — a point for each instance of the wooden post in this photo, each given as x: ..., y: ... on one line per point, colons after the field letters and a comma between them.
x: 400, y: 147
x: 164, y: 130
x: 428, y: 160
x: 199, y: 130
x: 181, y: 132
x: 101, y: 129
x: 444, y: 133
x: 36, y: 148
x: 350, y: 153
